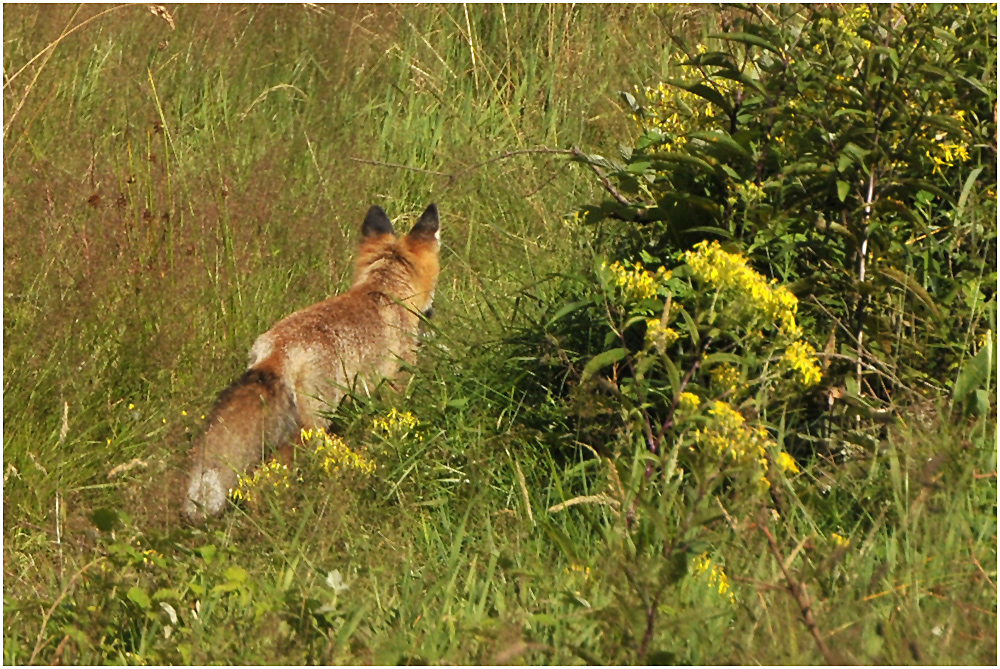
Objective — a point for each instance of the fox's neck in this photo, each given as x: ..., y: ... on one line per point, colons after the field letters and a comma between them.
x: 390, y: 275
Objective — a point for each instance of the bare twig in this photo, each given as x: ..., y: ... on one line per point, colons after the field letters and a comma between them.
x: 798, y: 591
x: 980, y: 568
x: 57, y: 656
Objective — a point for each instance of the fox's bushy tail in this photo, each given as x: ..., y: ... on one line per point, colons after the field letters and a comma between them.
x: 254, y: 414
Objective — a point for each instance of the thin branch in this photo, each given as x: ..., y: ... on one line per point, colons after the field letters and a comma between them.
x: 798, y: 591
x: 641, y: 215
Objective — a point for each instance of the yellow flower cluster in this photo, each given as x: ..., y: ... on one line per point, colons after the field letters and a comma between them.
x: 717, y: 579
x: 395, y: 423
x: 636, y: 283
x: 273, y: 473
x: 688, y: 402
x: 786, y: 463
x: 729, y: 273
x: 946, y: 153
x: 334, y: 455
x: 673, y: 109
x: 727, y: 435
x: 659, y: 335
x: 839, y: 541
x: 853, y: 19
x: 725, y: 378
x: 800, y: 356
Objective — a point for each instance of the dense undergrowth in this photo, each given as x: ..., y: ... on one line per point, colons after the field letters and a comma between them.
x: 711, y: 377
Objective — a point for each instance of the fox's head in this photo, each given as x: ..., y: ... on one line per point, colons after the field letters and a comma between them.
x: 407, y: 266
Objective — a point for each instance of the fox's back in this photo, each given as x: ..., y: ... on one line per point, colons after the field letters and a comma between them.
x: 361, y: 331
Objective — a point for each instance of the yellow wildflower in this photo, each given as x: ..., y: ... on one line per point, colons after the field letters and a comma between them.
x: 729, y: 274
x: 726, y: 378
x: 334, y: 456
x: 717, y: 579
x: 839, y: 541
x: 636, y: 283
x: 395, y: 423
x: 786, y: 463
x: 728, y: 436
x: 800, y: 356
x: 658, y: 335
x: 688, y: 401
x: 274, y: 473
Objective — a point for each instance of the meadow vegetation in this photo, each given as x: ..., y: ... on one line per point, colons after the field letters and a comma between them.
x: 711, y: 376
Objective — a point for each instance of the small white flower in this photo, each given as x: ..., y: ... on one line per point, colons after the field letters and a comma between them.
x: 336, y: 581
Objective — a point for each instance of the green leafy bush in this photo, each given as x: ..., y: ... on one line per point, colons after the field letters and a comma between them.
x: 848, y: 150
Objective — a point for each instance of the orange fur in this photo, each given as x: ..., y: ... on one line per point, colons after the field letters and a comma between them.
x: 301, y: 368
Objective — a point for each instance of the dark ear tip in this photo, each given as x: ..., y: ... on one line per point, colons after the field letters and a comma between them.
x: 428, y: 223
x: 376, y: 222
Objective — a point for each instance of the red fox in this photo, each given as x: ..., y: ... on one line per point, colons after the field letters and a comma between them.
x: 303, y: 365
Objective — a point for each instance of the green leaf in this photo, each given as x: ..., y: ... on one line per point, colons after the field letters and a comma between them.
x: 560, y: 539
x: 911, y: 284
x: 566, y: 310
x: 639, y: 167
x: 966, y: 189
x: 713, y: 358
x: 747, y: 38
x: 975, y: 373
x: 138, y: 596
x: 166, y: 593
x: 206, y: 552
x: 842, y: 189
x: 600, y: 361
x: 678, y: 157
x: 740, y: 77
x: 721, y: 139
x: 703, y: 91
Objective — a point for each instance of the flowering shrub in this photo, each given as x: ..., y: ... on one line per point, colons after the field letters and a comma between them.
x: 804, y: 174
x: 848, y: 148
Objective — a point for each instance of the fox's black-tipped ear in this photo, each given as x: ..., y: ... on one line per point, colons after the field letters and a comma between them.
x: 376, y: 223
x: 428, y: 225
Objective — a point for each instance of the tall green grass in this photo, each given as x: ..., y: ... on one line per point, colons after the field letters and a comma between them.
x: 172, y: 191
